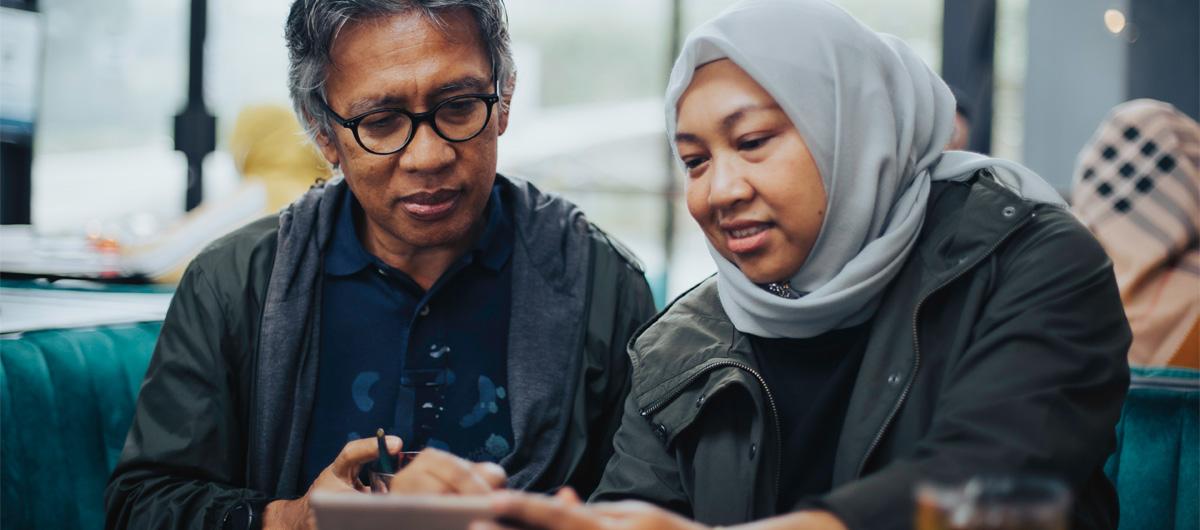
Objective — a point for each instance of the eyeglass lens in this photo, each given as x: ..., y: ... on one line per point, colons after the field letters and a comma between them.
x: 456, y: 119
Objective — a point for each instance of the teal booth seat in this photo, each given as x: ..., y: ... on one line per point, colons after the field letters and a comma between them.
x: 1156, y: 468
x: 67, y: 399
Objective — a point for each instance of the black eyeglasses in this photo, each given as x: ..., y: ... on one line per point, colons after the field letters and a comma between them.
x: 389, y: 130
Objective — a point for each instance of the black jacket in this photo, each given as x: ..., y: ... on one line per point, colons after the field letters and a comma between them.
x: 1000, y: 347
x: 192, y: 456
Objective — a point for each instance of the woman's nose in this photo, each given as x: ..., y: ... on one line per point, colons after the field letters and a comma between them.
x: 730, y: 183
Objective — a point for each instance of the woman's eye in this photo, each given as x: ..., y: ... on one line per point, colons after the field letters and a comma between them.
x: 693, y: 162
x: 753, y: 143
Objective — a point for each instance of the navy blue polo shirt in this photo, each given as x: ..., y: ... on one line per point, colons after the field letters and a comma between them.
x: 427, y: 366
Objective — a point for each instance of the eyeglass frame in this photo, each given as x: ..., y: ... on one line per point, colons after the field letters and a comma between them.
x: 417, y: 118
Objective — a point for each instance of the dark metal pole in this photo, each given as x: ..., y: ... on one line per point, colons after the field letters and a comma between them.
x: 16, y: 152
x: 671, y: 191
x: 968, y: 61
x: 195, y: 128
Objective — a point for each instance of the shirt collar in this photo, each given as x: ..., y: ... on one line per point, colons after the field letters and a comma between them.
x: 347, y: 256
x: 494, y: 246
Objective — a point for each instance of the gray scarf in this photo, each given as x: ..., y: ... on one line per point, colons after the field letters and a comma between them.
x: 875, y: 118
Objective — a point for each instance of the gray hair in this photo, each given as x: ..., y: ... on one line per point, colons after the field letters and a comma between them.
x: 312, y: 26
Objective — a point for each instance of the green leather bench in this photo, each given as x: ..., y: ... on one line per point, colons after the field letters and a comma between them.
x: 67, y: 399
x: 1156, y: 467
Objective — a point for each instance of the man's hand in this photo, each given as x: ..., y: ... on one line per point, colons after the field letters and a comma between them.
x: 341, y: 475
x: 435, y: 472
x: 564, y: 511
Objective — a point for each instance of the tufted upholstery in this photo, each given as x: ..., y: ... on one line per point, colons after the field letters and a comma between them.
x: 67, y: 399
x: 1156, y: 468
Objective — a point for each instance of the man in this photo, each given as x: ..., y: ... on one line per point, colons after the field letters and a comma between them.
x: 465, y: 313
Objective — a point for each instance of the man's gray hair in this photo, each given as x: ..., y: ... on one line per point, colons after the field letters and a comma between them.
x: 312, y: 26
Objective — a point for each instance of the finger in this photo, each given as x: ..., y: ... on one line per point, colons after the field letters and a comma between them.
x: 538, y: 511
x: 491, y: 473
x: 411, y: 480
x: 489, y: 525
x: 621, y: 509
x: 568, y: 496
x: 457, y: 474
x: 359, y: 452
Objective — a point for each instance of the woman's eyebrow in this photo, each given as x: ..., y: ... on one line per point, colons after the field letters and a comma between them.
x: 737, y: 115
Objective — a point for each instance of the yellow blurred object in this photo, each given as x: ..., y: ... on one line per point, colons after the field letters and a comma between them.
x: 269, y: 146
x: 277, y: 163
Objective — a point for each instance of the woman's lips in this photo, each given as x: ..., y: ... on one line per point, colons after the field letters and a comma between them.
x: 744, y: 238
x: 430, y: 206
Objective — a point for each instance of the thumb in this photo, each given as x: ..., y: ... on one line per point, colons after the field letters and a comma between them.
x: 359, y: 452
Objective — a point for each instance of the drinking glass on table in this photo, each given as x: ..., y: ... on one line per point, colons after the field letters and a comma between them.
x: 993, y: 503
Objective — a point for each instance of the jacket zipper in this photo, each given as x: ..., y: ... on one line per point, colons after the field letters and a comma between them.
x: 917, y: 343
x: 658, y: 405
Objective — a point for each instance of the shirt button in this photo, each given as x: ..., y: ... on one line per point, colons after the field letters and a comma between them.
x: 753, y: 450
x: 424, y: 311
x: 662, y: 431
x: 700, y: 401
x: 894, y: 379
x: 381, y: 271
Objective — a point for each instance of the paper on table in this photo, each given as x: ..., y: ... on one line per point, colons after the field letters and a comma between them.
x: 35, y: 309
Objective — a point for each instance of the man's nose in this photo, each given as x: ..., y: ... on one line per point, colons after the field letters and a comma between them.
x: 730, y: 184
x: 427, y: 153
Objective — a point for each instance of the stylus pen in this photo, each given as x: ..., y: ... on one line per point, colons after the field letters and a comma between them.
x: 385, y: 461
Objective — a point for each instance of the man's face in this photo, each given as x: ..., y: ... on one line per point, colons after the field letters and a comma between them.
x: 431, y: 193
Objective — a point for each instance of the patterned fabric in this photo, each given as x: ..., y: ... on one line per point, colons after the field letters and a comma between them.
x: 427, y: 366
x: 1137, y: 187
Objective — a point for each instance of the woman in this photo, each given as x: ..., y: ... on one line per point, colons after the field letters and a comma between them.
x: 1137, y: 187
x: 883, y: 312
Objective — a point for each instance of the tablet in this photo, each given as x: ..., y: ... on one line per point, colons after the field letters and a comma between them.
x: 357, y: 511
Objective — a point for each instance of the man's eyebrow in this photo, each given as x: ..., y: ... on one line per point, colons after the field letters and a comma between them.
x: 463, y: 84
x: 369, y: 103
x: 472, y: 83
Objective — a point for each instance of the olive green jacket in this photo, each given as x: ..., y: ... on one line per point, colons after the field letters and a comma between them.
x: 1000, y: 347
x: 221, y: 386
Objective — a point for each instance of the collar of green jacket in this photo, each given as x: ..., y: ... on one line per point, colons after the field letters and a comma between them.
x: 550, y: 256
x: 679, y: 359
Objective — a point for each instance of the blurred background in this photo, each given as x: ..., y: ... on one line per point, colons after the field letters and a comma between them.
x: 103, y: 103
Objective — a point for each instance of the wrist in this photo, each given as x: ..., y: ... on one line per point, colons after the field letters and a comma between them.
x: 247, y: 514
x: 281, y: 513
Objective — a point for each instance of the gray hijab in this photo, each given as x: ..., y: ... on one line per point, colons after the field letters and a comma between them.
x: 875, y: 118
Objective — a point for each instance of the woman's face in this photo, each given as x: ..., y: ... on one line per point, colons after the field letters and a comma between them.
x: 752, y: 184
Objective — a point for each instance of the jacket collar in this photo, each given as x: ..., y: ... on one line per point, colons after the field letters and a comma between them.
x: 550, y: 254
x: 964, y: 222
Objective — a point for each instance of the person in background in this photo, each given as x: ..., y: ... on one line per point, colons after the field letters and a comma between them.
x: 277, y: 164
x: 884, y: 311
x: 961, y: 139
x: 1137, y: 187
x: 482, y: 321
x: 269, y: 147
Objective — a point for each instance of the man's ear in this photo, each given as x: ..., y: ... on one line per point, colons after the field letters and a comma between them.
x: 505, y: 103
x: 326, y: 145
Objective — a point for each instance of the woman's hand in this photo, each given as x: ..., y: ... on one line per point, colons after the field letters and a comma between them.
x: 564, y: 511
x: 435, y: 472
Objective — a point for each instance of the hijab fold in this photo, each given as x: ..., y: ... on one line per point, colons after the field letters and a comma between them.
x: 875, y: 118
